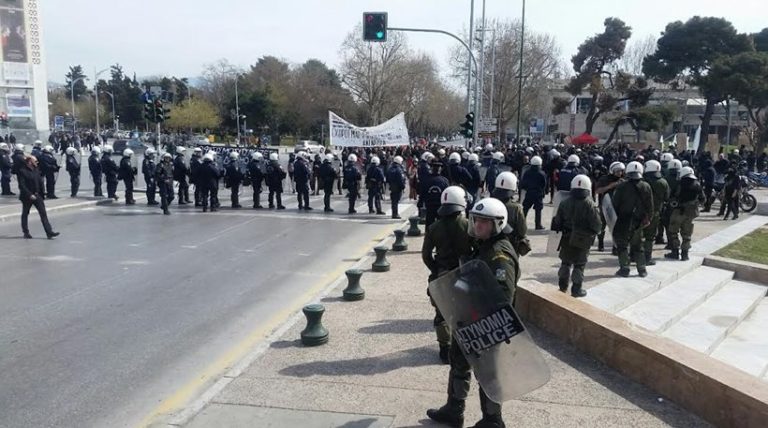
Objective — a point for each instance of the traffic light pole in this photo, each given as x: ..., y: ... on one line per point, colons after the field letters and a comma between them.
x: 463, y: 43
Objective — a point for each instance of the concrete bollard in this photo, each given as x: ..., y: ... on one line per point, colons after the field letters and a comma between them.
x: 381, y: 264
x: 314, y: 334
x: 414, y: 230
x: 400, y: 244
x: 354, y: 291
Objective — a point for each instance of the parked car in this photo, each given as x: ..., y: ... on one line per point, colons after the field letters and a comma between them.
x: 134, y: 144
x: 311, y: 147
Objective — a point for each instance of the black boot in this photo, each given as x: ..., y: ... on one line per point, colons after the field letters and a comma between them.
x: 649, y: 261
x: 538, y: 221
x: 563, y: 283
x: 673, y: 255
x: 623, y: 272
x: 600, y: 243
x: 452, y: 414
x: 444, y: 351
x: 576, y: 291
x: 488, y: 421
x: 684, y: 255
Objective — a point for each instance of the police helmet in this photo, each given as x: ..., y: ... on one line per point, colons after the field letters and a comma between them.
x: 352, y: 158
x: 127, y: 153
x: 582, y: 182
x: 536, y: 161
x: 506, y: 185
x: 654, y: 167
x: 667, y: 157
x: 208, y: 157
x: 441, y: 152
x: 375, y: 160
x: 167, y: 155
x: 488, y: 147
x: 97, y: 151
x: 635, y: 170
x: 180, y: 150
x: 452, y: 200
x: 48, y: 149
x: 38, y: 143
x: 675, y: 164
x: 687, y: 172
x: 108, y: 149
x: 197, y: 151
x: 257, y: 156
x: 70, y: 150
x: 234, y: 155
x: 273, y: 156
x: 464, y: 155
x: 474, y: 157
x: 498, y: 156
x: 19, y: 147
x: 329, y: 157
x: 488, y: 208
x: 150, y: 152
x: 574, y: 159
x: 454, y: 158
x: 398, y: 160
x: 617, y: 167
x: 4, y: 146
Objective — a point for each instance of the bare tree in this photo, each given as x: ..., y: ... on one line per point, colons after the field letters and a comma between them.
x: 634, y: 54
x: 217, y: 84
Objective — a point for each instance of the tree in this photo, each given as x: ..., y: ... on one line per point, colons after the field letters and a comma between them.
x: 634, y: 55
x: 194, y: 114
x: 645, y: 118
x: 686, y: 52
x: 761, y: 40
x: 745, y: 77
x: 76, y: 74
x: 592, y: 64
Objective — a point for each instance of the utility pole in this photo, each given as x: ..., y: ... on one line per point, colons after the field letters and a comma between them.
x: 469, y: 60
x: 481, y: 78
x: 520, y: 76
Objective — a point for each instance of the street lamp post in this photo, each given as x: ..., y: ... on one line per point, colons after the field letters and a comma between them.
x: 114, y: 116
x: 96, y: 90
x: 72, y: 93
x: 520, y: 76
x: 237, y: 107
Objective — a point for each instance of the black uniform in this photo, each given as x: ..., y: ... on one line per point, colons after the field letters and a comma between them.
x: 352, y: 179
x: 127, y: 173
x: 534, y: 182
x: 6, y: 165
x: 49, y: 167
x: 274, y: 178
x: 31, y: 184
x: 164, y: 180
x: 374, y: 179
x: 180, y: 173
x: 195, y: 162
x: 148, y: 169
x: 233, y: 178
x: 109, y: 168
x: 396, y: 180
x: 434, y: 185
x: 94, y: 166
x: 73, y: 168
x: 327, y: 175
x: 301, y: 174
x: 257, y: 177
x: 209, y: 184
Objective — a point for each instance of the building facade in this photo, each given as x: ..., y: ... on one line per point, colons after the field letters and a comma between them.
x: 23, y: 79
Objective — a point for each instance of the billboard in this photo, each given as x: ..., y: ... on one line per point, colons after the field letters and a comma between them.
x: 14, y: 36
x: 18, y: 105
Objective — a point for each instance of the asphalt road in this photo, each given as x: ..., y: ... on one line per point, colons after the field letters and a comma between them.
x: 127, y: 305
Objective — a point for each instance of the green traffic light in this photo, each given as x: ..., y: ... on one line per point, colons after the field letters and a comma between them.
x: 380, y: 35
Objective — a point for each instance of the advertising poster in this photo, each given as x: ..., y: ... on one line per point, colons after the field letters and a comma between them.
x: 14, y: 37
x: 19, y: 105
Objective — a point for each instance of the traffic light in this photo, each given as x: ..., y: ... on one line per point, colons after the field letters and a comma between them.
x: 149, y: 110
x: 166, y: 114
x: 468, y: 127
x: 159, y: 111
x: 375, y: 26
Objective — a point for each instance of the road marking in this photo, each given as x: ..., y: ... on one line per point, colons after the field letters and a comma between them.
x: 176, y: 401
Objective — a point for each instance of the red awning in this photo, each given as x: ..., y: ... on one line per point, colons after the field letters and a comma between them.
x: 584, y: 139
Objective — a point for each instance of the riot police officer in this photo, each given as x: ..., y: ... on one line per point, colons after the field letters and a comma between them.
x: 17, y: 158
x: 148, y: 169
x: 274, y: 177
x: 257, y: 177
x: 396, y: 180
x: 569, y: 172
x: 457, y: 174
x: 94, y: 167
x: 374, y: 179
x: 673, y: 180
x: 195, y: 162
x: 684, y: 206
x: 434, y: 186
x: 6, y: 166
x: 180, y: 173
x: 73, y: 168
x: 446, y: 242
x: 633, y: 202
x: 233, y: 178
x: 605, y: 186
x: 660, y: 190
x: 578, y: 220
x: 534, y: 182
x: 352, y: 179
x: 127, y: 173
x: 473, y: 166
x: 487, y: 221
x: 327, y: 175
x: 209, y: 182
x: 109, y: 168
x: 504, y: 190
x: 49, y: 167
x: 493, y: 171
x: 301, y: 174
x: 164, y: 179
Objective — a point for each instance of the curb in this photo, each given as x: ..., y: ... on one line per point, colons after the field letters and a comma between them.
x: 185, y: 415
x: 744, y: 270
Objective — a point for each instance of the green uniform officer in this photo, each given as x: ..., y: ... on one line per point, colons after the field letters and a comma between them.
x: 660, y: 190
x: 445, y: 243
x: 578, y: 220
x: 487, y: 221
x: 673, y: 180
x: 633, y: 201
x: 605, y: 186
x: 666, y: 158
x: 684, y: 209
x: 505, y: 190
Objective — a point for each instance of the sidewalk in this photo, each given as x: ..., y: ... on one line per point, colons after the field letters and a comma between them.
x: 380, y: 369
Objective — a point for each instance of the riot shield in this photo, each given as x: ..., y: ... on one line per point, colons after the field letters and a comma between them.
x: 506, y: 361
x: 609, y: 213
x: 554, y: 237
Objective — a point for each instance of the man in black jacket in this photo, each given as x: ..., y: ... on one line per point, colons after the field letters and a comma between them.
x: 31, y: 194
x: 94, y: 166
x: 396, y: 180
x: 127, y: 173
x: 180, y: 173
x: 327, y: 175
x: 233, y: 178
x: 49, y: 167
x: 73, y: 168
x: 6, y: 165
x: 109, y: 168
x: 257, y: 177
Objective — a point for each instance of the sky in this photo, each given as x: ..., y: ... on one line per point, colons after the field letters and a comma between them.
x: 178, y: 37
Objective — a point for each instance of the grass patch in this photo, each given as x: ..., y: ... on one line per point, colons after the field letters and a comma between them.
x: 751, y: 248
